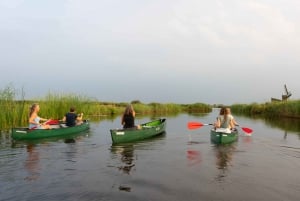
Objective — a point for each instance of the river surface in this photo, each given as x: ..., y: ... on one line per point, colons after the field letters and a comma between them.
x: 179, y: 165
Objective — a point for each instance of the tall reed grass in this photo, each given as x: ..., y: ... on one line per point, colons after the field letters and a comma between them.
x: 271, y: 109
x: 198, y: 108
x: 11, y: 111
x: 15, y: 109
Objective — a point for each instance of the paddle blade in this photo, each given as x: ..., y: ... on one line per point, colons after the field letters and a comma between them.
x: 194, y: 125
x: 247, y: 130
x: 52, y: 122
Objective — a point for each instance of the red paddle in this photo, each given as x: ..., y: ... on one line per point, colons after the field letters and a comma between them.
x: 247, y: 130
x: 195, y: 125
x: 52, y: 122
x: 49, y: 122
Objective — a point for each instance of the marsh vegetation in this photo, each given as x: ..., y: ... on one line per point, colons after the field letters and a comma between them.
x: 270, y: 109
x: 14, y: 108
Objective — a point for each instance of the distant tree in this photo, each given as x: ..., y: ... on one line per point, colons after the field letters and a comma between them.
x: 136, y: 102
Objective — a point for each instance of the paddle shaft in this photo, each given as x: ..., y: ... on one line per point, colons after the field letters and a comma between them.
x: 196, y: 125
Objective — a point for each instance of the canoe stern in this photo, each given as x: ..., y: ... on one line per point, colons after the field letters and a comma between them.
x: 147, y: 130
x: 27, y: 134
x: 223, y: 137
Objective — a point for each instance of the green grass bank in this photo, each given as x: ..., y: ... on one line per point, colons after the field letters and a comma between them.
x: 15, y: 109
x: 289, y: 109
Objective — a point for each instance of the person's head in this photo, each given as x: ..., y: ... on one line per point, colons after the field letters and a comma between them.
x: 227, y: 111
x: 222, y: 111
x: 129, y: 109
x: 34, y: 108
x: 72, y: 109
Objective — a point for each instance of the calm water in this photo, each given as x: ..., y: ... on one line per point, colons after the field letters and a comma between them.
x: 179, y: 165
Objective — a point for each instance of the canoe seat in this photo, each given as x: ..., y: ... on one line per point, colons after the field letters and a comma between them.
x: 223, y: 130
x: 147, y: 126
x: 63, y: 125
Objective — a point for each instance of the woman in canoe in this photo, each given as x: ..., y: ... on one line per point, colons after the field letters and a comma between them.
x: 128, y: 117
x: 225, y: 119
x: 34, y: 119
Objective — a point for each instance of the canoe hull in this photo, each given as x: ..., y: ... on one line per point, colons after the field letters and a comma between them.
x: 26, y: 134
x: 147, y: 130
x: 222, y: 137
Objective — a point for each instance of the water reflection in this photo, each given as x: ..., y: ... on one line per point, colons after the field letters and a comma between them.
x: 31, y: 163
x: 198, y: 114
x: 286, y: 124
x: 126, y: 155
x: 224, y: 158
x: 5, y: 138
x: 194, y: 157
x: 246, y: 139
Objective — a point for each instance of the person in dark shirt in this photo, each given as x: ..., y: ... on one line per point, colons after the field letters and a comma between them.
x: 128, y: 117
x: 72, y: 119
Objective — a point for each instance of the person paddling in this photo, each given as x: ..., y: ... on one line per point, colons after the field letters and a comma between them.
x: 71, y: 118
x: 225, y: 119
x: 34, y: 119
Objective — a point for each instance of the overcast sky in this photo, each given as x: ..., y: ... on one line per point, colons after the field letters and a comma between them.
x: 180, y: 51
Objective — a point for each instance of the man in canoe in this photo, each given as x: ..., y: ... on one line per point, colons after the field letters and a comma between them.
x: 72, y: 119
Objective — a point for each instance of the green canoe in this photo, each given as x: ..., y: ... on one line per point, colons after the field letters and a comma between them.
x: 57, y: 131
x: 147, y: 130
x: 223, y: 137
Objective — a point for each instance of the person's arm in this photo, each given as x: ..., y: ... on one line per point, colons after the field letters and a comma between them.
x: 79, y: 117
x: 43, y: 119
x: 234, y: 122
x: 218, y: 123
x: 122, y: 120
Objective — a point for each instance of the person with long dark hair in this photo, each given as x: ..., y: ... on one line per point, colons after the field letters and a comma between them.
x: 128, y: 117
x: 225, y: 119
